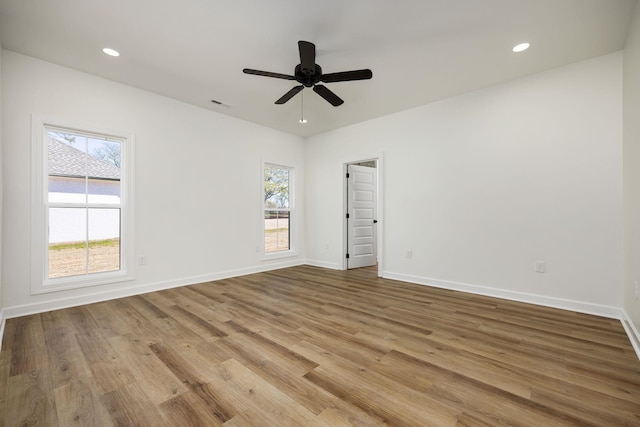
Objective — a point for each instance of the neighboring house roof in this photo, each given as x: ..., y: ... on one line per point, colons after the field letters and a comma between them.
x: 65, y: 160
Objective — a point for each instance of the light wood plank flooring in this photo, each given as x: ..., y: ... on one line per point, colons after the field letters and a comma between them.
x: 305, y: 346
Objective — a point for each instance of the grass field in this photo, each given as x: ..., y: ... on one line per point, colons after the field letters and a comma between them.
x: 70, y: 259
x: 276, y: 235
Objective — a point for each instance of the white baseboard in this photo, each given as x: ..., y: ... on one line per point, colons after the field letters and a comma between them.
x: 27, y: 309
x: 323, y: 264
x: 565, y: 304
x: 3, y: 322
x: 632, y: 332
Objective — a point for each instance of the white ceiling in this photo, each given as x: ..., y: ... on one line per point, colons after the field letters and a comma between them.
x: 419, y: 50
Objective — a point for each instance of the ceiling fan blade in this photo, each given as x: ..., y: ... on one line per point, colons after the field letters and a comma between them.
x: 287, y: 96
x: 329, y: 96
x: 346, y: 76
x: 307, y: 57
x: 268, y: 74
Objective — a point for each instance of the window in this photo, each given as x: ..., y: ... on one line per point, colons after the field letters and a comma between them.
x: 82, y: 211
x: 278, y: 205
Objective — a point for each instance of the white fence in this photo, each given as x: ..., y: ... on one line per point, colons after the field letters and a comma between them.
x: 72, y: 224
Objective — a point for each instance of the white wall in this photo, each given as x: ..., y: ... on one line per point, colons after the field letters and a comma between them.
x: 198, y: 182
x: 1, y: 202
x: 632, y: 171
x: 482, y: 185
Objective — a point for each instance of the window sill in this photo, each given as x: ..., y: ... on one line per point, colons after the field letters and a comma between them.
x: 63, y: 284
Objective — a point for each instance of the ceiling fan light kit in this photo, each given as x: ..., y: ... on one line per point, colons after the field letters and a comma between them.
x: 309, y: 74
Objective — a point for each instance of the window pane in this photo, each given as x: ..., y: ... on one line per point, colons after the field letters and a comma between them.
x: 103, y: 164
x: 67, y: 190
x: 67, y: 168
x: 67, y: 242
x: 276, y: 231
x: 83, y: 169
x: 104, y: 240
x: 276, y: 187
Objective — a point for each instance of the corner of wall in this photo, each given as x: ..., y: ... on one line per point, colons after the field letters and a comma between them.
x: 2, y: 321
x: 632, y: 332
x: 631, y: 181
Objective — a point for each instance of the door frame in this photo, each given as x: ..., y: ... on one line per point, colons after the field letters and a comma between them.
x: 379, y: 158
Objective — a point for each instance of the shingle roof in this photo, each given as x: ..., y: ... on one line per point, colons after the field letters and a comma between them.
x: 65, y: 160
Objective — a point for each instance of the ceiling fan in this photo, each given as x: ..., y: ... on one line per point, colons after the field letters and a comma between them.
x: 309, y: 74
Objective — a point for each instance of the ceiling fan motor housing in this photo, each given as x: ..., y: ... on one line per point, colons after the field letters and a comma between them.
x: 308, y: 77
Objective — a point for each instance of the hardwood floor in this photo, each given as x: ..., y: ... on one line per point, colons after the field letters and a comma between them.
x: 305, y: 346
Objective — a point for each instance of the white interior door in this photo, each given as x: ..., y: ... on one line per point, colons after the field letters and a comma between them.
x: 362, y: 213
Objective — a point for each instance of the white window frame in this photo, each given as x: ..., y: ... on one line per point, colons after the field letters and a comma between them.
x: 40, y: 283
x: 292, y: 216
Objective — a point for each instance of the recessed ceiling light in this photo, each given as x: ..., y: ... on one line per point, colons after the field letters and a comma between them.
x: 521, y: 47
x: 111, y: 52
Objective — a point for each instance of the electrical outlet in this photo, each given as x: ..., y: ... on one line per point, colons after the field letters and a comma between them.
x: 142, y: 260
x: 409, y: 253
x: 540, y: 267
